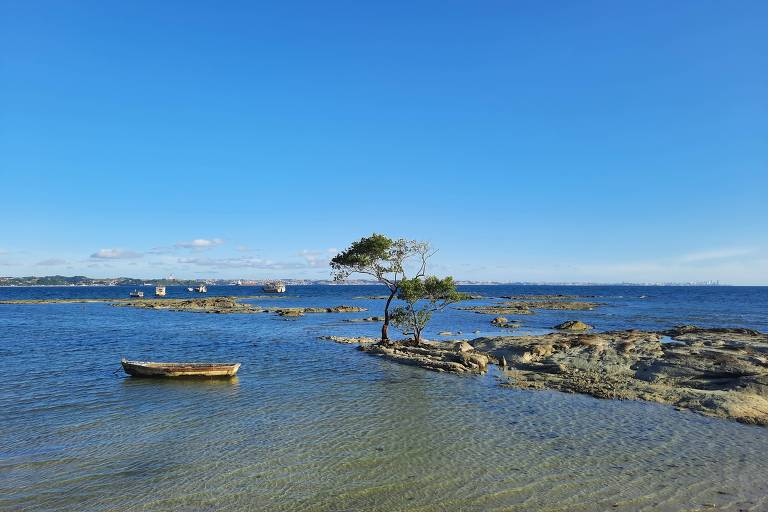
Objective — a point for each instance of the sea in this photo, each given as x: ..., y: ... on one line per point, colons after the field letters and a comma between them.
x: 313, y: 425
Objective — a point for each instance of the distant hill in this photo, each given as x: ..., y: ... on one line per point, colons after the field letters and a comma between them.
x: 129, y: 281
x: 67, y: 281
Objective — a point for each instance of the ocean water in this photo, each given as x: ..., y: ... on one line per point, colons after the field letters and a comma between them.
x: 314, y: 425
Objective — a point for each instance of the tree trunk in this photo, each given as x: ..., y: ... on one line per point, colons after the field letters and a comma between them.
x: 385, y: 327
x: 416, y: 329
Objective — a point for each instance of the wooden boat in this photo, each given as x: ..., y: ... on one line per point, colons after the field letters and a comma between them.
x: 207, y: 370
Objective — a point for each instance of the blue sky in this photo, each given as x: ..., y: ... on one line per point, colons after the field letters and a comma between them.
x: 547, y: 141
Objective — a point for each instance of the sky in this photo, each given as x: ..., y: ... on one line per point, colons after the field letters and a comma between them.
x: 526, y: 141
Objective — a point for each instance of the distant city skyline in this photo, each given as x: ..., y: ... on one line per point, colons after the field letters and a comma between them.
x: 557, y: 142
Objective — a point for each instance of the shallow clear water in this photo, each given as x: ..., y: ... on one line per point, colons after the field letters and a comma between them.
x: 312, y: 425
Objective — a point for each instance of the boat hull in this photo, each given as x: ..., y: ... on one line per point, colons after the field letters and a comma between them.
x: 177, y: 370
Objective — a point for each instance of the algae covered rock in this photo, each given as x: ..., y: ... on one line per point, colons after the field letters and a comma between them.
x: 290, y: 312
x: 573, y: 325
x: 366, y: 319
x: 463, y: 346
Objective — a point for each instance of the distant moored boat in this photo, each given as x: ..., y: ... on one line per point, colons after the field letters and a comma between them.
x: 151, y: 369
x: 201, y: 289
x: 136, y: 294
x: 160, y: 291
x: 274, y: 287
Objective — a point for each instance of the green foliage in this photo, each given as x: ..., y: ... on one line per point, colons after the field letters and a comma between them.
x: 383, y: 258
x: 369, y: 255
x: 422, y: 298
x: 380, y: 257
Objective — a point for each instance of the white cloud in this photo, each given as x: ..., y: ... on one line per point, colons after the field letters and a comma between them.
x: 200, y: 243
x: 115, y: 254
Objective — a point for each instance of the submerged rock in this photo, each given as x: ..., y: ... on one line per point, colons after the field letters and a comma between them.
x: 573, y: 325
x: 501, y: 321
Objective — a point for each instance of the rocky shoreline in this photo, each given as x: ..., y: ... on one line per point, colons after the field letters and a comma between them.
x: 716, y: 372
x: 215, y: 305
x: 227, y: 305
x: 527, y: 307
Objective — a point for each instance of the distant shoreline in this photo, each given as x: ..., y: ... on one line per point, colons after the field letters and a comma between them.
x: 373, y: 283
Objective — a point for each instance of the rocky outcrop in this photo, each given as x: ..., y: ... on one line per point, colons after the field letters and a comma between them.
x: 499, y: 310
x: 350, y: 340
x: 441, y: 357
x: 198, y: 305
x: 335, y: 309
x: 463, y: 346
x: 366, y: 319
x: 524, y: 307
x: 553, y: 304
x: 545, y: 297
x: 573, y: 325
x: 717, y: 372
x: 290, y: 312
x: 682, y: 330
x: 228, y: 305
x: 504, y: 322
x: 298, y: 311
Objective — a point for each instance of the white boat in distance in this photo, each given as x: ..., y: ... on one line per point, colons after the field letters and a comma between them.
x: 274, y: 287
x: 136, y: 294
x: 201, y: 289
x: 159, y: 291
